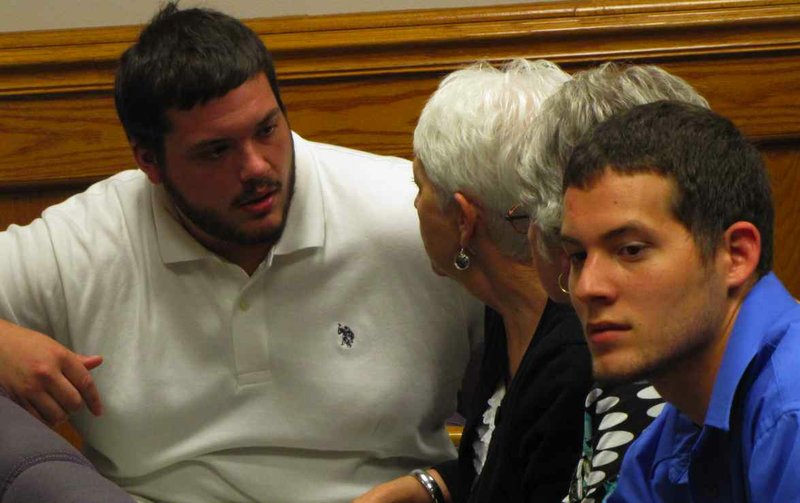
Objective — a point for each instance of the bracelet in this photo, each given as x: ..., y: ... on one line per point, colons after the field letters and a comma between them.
x: 430, y: 485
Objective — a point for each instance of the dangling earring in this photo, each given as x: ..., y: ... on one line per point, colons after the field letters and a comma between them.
x: 560, y: 279
x: 461, y: 262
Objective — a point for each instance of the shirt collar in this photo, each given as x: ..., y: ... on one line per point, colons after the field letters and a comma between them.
x: 762, y: 306
x: 175, y: 244
x: 305, y: 222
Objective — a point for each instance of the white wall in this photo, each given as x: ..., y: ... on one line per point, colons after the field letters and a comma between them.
x: 23, y: 15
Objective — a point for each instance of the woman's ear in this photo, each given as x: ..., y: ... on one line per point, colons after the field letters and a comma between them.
x: 468, y: 218
x: 742, y: 249
x: 147, y: 162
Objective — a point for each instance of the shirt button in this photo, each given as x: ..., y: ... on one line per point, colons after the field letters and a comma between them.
x: 244, y: 305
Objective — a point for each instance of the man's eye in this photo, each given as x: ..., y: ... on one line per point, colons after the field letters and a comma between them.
x: 632, y: 250
x: 576, y: 258
x: 266, y: 130
x: 213, y: 153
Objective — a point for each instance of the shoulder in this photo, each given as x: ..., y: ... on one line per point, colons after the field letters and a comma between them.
x: 105, y: 207
x: 116, y: 195
x: 774, y: 394
x: 354, y: 165
x: 371, y: 194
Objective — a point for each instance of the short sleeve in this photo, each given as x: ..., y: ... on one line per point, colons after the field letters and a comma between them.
x: 31, y: 294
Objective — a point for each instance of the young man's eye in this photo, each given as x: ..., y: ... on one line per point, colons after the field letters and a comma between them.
x: 576, y: 258
x: 632, y: 251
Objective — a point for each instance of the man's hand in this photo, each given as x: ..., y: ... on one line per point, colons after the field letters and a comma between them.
x: 403, y: 490
x: 44, y: 377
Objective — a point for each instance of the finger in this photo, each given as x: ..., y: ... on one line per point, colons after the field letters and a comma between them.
x: 50, y: 412
x: 90, y: 361
x: 82, y: 381
x: 65, y: 394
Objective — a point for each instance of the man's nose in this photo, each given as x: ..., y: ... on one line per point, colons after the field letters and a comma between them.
x: 254, y: 162
x: 592, y: 281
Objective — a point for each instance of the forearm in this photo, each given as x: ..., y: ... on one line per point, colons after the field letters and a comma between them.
x: 405, y: 489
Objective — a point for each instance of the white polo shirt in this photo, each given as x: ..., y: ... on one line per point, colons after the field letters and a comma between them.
x: 330, y: 369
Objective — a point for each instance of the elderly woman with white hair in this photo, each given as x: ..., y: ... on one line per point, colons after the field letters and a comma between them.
x: 615, y: 413
x: 523, y: 432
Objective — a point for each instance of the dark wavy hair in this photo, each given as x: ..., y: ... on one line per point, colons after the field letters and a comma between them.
x: 184, y: 58
x: 719, y: 176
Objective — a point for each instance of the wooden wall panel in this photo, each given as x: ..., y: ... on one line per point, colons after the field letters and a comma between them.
x: 783, y: 161
x: 60, y: 140
x: 361, y: 80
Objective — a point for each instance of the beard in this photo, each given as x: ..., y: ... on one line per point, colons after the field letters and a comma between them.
x: 212, y: 222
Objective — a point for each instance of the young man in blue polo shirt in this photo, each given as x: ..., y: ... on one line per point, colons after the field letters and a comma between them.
x: 668, y: 224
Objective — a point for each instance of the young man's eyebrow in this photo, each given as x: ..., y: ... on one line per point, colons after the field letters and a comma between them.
x: 617, y: 232
x: 569, y: 240
x: 627, y: 228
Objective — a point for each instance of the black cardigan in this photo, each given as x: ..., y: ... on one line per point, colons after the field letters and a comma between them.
x: 539, y: 425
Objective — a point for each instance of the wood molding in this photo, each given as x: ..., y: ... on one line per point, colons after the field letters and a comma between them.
x: 359, y: 80
x: 314, y: 47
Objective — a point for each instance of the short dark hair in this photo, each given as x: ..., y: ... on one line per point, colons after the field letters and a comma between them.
x: 719, y: 176
x: 184, y: 58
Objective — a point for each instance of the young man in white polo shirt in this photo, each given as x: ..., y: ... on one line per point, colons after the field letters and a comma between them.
x: 269, y: 322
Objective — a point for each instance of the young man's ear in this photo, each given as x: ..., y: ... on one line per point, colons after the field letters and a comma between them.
x: 742, y: 246
x: 148, y: 162
x: 468, y: 218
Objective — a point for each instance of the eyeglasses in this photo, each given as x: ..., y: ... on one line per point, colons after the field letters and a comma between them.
x: 518, y: 220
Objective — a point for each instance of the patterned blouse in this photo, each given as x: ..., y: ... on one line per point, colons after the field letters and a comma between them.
x: 614, y: 416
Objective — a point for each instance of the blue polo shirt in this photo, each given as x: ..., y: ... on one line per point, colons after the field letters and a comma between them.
x: 748, y: 449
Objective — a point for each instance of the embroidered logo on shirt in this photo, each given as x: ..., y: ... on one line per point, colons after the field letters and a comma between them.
x: 348, y: 337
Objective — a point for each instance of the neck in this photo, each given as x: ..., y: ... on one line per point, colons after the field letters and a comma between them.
x: 248, y: 257
x: 517, y: 295
x: 689, y: 384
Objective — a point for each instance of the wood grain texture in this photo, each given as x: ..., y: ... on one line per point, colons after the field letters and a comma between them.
x: 783, y: 161
x: 360, y: 81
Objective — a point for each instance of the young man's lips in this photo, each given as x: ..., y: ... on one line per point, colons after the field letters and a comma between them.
x: 605, y: 331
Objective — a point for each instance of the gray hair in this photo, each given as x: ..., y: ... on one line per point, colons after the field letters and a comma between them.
x: 474, y: 135
x: 591, y: 97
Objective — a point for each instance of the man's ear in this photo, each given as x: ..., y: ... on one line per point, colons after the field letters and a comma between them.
x: 148, y: 162
x: 742, y: 246
x: 468, y: 218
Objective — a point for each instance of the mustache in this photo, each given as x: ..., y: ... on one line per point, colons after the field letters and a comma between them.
x: 256, y: 189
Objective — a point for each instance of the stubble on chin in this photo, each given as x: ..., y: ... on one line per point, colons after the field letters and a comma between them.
x: 211, y: 223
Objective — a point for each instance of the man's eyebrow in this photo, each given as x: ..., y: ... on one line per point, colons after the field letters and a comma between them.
x: 630, y: 227
x: 626, y: 228
x: 569, y: 240
x: 270, y: 116
x: 202, y: 145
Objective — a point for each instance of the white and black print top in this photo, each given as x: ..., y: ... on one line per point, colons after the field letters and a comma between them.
x: 614, y: 416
